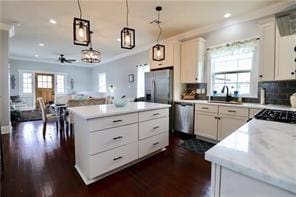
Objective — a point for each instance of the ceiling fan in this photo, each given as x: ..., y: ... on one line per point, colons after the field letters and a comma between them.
x: 63, y: 60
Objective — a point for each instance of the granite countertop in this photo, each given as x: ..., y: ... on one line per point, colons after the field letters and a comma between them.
x: 96, y: 111
x: 264, y: 150
x: 244, y: 105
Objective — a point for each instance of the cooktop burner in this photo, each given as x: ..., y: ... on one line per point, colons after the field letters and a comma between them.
x: 277, y: 115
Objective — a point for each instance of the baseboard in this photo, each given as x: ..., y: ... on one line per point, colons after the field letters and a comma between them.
x: 6, y: 129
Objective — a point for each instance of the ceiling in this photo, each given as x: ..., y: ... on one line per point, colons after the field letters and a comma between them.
x: 107, y: 19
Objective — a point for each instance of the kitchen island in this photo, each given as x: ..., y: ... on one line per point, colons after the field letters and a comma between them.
x: 259, y: 159
x: 109, y: 138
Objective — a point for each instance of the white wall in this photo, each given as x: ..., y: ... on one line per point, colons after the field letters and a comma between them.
x: 117, y: 74
x: 232, y: 33
x: 80, y: 75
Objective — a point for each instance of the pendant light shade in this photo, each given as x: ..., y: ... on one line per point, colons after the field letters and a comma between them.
x: 81, y: 30
x: 127, y: 34
x: 158, y: 50
x: 90, y: 55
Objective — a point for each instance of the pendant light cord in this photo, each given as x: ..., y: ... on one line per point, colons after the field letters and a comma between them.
x: 160, y: 30
x: 127, y: 12
x: 80, y: 11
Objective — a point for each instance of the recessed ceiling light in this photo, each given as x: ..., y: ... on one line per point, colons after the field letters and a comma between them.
x: 227, y: 15
x: 52, y: 21
x: 41, y: 44
x: 118, y: 40
x: 36, y: 55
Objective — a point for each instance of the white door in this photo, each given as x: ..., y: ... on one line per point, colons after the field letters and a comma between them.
x: 285, y: 64
x: 228, y: 124
x: 206, y: 125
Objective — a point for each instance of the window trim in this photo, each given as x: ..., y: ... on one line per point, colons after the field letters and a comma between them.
x: 253, y: 79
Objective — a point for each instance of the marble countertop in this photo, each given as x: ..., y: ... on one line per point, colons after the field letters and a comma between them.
x: 244, y: 105
x: 264, y: 150
x: 96, y: 111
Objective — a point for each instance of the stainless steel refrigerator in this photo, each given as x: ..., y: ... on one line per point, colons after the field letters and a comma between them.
x: 159, y: 86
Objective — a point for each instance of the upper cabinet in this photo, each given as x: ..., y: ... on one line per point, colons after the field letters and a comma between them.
x: 285, y: 65
x: 267, y: 50
x: 171, y: 53
x: 192, y: 61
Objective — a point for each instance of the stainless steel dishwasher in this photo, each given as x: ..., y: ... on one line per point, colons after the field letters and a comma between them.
x: 184, y: 117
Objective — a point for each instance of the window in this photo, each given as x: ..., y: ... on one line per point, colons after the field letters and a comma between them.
x: 60, y: 84
x: 141, y: 79
x: 234, y: 66
x: 44, y: 81
x: 102, y: 83
x: 27, y: 83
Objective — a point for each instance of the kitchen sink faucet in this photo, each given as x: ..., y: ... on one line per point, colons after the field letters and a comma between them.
x: 228, y: 94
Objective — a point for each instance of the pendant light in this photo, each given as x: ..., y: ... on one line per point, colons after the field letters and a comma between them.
x: 90, y: 55
x: 127, y: 34
x: 81, y: 29
x: 158, y: 50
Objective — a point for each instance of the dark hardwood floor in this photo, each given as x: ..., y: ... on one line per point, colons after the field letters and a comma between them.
x: 37, y: 166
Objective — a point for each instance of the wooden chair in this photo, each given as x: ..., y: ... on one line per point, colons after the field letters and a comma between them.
x: 47, y: 117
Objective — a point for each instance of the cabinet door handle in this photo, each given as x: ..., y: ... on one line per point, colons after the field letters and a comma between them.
x: 157, y: 127
x: 292, y: 73
x: 260, y: 76
x: 219, y: 118
x: 216, y: 117
x: 156, y: 143
x: 195, y: 78
x: 232, y: 111
x: 117, y: 121
x: 117, y: 158
x: 118, y: 137
x: 159, y: 64
x: 156, y: 114
x: 205, y: 108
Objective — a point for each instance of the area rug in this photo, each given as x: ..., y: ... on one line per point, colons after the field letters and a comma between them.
x: 30, y: 115
x: 197, y: 146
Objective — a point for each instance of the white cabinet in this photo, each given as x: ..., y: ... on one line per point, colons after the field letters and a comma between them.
x: 285, y: 57
x: 192, y: 61
x: 217, y: 122
x: 206, y: 125
x: 170, y: 55
x: 104, y: 145
x: 229, y: 124
x: 267, y: 51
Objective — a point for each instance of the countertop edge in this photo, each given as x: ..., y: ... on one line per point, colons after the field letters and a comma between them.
x: 282, y: 184
x: 119, y: 112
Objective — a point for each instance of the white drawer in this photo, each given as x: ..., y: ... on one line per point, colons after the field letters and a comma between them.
x: 153, y: 114
x: 103, y: 140
x: 206, y: 108
x: 153, y: 127
x: 112, y: 121
x: 234, y: 111
x: 112, y: 159
x: 152, y: 144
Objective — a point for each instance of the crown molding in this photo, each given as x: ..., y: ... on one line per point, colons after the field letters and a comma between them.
x: 257, y: 14
x: 50, y: 62
x: 9, y: 28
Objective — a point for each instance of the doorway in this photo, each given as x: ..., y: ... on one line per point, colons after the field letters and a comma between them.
x: 44, y: 87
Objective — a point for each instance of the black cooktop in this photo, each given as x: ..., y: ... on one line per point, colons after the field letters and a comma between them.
x: 277, y: 115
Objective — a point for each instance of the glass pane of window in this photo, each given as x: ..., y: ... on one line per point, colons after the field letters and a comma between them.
x: 60, y: 84
x: 231, y: 65
x: 245, y: 64
x: 243, y: 88
x: 231, y: 78
x: 102, y: 83
x: 141, y: 79
x: 244, y: 77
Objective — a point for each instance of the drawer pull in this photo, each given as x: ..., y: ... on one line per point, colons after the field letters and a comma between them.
x: 156, y: 114
x: 205, y: 108
x: 156, y: 143
x: 116, y: 138
x: 117, y: 121
x: 232, y: 111
x: 157, y: 127
x: 117, y: 158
